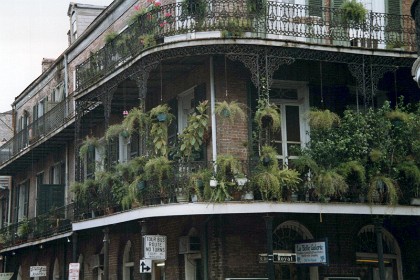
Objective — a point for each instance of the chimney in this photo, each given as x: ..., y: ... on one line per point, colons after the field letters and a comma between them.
x: 46, y: 63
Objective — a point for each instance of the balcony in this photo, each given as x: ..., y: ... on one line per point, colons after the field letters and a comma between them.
x: 57, y: 115
x: 52, y: 223
x: 230, y: 19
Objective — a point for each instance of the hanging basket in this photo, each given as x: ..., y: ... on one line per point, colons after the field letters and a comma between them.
x: 266, y: 122
x: 162, y: 117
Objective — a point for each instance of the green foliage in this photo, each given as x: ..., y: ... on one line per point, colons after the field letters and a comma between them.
x: 147, y: 40
x: 353, y: 12
x: 159, y: 129
x: 329, y: 183
x: 114, y: 131
x: 323, y: 119
x: 194, y: 8
x: 382, y: 189
x: 110, y: 36
x: 230, y: 110
x: 268, y: 183
x: 136, y: 120
x: 24, y: 228
x: 88, y: 144
x: 191, y: 138
x: 378, y: 141
x: 157, y: 169
x: 268, y: 116
x: 256, y: 8
x: 236, y: 27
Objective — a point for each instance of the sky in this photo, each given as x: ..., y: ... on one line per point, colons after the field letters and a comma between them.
x: 31, y: 30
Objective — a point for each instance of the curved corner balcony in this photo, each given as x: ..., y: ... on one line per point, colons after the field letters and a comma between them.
x: 232, y: 19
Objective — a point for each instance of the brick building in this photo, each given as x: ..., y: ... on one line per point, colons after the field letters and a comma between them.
x: 111, y: 134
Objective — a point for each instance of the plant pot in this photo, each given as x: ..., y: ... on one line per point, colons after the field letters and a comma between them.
x: 248, y: 195
x: 294, y: 197
x: 194, y: 198
x: 266, y: 161
x: 236, y: 195
x: 266, y: 121
x: 415, y: 201
x: 181, y: 196
x: 213, y: 183
x: 225, y: 113
x: 161, y: 117
x: 241, y: 181
x: 124, y: 134
x: 141, y: 185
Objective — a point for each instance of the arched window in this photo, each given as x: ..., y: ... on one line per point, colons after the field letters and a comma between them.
x: 128, y: 263
x: 367, y: 256
x: 285, y: 236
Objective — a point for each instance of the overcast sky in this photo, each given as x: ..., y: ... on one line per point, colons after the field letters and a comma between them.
x: 30, y: 30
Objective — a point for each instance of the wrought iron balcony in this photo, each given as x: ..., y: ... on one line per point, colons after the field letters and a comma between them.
x: 54, y: 222
x: 231, y: 18
x: 57, y: 114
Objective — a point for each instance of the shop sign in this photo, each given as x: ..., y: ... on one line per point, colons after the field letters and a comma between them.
x: 6, y: 275
x: 37, y: 271
x: 74, y: 269
x: 314, y: 252
x: 154, y: 247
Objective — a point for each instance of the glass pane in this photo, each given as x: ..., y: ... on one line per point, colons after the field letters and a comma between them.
x: 292, y: 124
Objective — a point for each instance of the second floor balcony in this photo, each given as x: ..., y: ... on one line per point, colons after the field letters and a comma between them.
x: 231, y: 19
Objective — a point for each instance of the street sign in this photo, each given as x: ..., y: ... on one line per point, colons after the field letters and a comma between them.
x: 145, y: 266
x: 6, y: 275
x: 154, y: 247
x: 74, y: 269
x: 278, y: 258
x: 37, y: 271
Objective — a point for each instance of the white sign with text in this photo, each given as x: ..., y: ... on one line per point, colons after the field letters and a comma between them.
x: 154, y: 247
x: 37, y: 271
x: 312, y: 253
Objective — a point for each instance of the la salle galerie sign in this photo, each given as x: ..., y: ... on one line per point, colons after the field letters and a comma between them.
x: 313, y: 252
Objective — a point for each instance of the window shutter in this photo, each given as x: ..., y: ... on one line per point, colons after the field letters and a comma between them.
x: 50, y: 196
x: 336, y: 3
x: 315, y: 8
x: 394, y: 26
x: 393, y: 7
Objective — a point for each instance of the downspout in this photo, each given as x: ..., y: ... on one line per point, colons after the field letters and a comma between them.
x: 206, y: 249
x: 213, y: 116
x: 106, y: 253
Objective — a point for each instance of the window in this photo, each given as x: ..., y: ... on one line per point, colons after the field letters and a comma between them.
x: 128, y: 262
x: 74, y: 25
x: 57, y: 173
x: 292, y: 99
x: 22, y: 201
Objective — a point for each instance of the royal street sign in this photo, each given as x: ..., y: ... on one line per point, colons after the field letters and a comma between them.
x: 278, y: 258
x: 154, y: 247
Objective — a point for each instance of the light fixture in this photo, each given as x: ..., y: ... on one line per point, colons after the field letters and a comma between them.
x: 40, y: 246
x: 371, y: 261
x: 1, y: 257
x: 68, y: 239
x: 160, y: 264
x: 13, y: 253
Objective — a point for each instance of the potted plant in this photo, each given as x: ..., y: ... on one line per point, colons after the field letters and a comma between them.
x: 353, y: 13
x: 236, y: 27
x: 88, y: 145
x: 195, y: 9
x: 355, y: 175
x: 268, y: 116
x: 289, y: 180
x: 329, y: 183
x: 156, y: 170
x: 116, y: 130
x: 200, y: 181
x: 229, y: 110
x: 256, y: 8
x: 408, y: 177
x: 323, y: 119
x: 136, y: 120
x: 24, y: 228
x: 227, y: 166
x: 160, y: 119
x: 110, y: 36
x: 382, y: 189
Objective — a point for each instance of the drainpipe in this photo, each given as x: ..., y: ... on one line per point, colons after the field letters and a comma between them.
x: 143, y: 232
x: 206, y: 249
x: 106, y: 253
x: 213, y: 116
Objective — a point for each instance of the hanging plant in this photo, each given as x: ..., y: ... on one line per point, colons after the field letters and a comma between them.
x: 88, y: 145
x: 159, y: 128
x: 136, y: 121
x: 323, y: 119
x: 268, y: 116
x: 194, y: 8
x: 115, y: 130
x: 230, y: 110
x: 329, y: 183
x: 382, y: 189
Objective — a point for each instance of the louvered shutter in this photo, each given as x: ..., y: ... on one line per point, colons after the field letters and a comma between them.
x: 50, y: 196
x: 315, y: 8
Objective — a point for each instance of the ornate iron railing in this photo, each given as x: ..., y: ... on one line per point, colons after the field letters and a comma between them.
x: 232, y: 18
x: 53, y: 222
x: 57, y: 115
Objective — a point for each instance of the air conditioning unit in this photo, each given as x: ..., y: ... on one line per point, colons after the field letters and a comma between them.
x: 189, y: 244
x: 342, y: 278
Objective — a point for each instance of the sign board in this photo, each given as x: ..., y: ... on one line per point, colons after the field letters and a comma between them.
x: 37, y: 271
x: 74, y: 270
x: 312, y: 253
x: 278, y: 258
x: 145, y: 266
x: 154, y: 247
x: 6, y: 275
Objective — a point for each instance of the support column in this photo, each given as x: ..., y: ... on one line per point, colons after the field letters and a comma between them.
x: 380, y: 248
x: 74, y: 247
x: 106, y: 253
x: 270, y: 264
x: 143, y: 232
